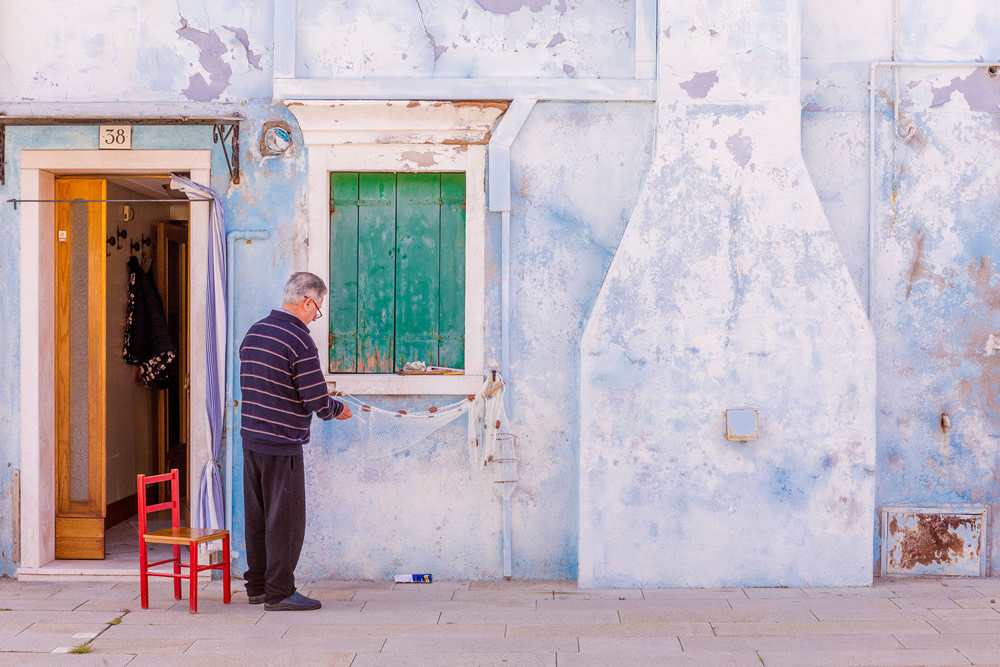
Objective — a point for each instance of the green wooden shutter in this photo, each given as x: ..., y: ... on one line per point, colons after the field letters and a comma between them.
x: 397, y: 271
x: 343, y: 300
x: 418, y: 229
x: 376, y: 272
x: 451, y: 320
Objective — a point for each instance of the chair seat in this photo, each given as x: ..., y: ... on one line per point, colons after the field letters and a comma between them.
x: 184, y: 535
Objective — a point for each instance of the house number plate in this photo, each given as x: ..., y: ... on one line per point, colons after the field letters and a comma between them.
x: 116, y: 137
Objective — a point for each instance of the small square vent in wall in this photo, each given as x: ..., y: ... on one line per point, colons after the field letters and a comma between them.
x: 937, y: 540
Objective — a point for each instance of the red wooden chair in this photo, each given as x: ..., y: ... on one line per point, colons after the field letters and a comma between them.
x: 177, y: 536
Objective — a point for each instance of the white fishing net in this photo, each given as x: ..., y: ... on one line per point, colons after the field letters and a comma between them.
x: 393, y: 432
x: 492, y: 448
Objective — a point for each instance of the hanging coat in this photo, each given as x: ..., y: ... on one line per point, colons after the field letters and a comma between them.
x: 148, y: 344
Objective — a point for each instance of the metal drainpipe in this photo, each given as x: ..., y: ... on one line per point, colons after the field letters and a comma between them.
x: 894, y: 64
x: 231, y: 239
x: 499, y: 201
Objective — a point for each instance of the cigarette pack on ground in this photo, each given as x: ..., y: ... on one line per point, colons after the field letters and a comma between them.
x: 414, y: 579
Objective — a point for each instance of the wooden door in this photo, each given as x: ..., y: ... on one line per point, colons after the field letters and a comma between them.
x: 80, y: 328
x: 171, y: 273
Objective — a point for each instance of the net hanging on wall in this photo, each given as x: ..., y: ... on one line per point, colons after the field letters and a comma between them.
x: 388, y: 433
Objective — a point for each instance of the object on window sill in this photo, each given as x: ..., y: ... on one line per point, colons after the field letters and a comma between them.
x: 420, y: 368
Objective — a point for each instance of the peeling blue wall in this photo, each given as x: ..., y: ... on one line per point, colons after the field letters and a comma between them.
x: 669, y: 260
x: 934, y: 228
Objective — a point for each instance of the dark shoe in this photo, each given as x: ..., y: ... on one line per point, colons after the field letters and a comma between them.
x: 257, y: 599
x: 294, y: 602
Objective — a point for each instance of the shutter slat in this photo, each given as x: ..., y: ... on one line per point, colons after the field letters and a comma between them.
x: 342, y: 303
x: 417, y: 267
x: 376, y: 272
x: 452, y: 272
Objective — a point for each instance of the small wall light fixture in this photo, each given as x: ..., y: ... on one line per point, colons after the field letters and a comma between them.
x: 741, y: 424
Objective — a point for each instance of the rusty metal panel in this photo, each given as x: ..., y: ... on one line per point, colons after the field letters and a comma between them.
x: 938, y: 540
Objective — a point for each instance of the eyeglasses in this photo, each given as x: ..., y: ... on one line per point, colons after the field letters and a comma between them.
x: 319, y: 313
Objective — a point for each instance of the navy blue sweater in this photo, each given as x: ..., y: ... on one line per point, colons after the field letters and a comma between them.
x: 282, y: 384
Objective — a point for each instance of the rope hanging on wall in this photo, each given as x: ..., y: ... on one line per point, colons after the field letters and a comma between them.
x: 389, y: 433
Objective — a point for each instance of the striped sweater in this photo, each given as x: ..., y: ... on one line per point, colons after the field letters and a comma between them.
x: 282, y: 385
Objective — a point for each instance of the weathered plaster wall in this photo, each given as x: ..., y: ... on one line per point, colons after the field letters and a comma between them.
x: 727, y: 290
x: 460, y: 38
x: 132, y: 51
x: 935, y: 230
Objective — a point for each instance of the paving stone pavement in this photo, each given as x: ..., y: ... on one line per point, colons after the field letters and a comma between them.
x: 930, y: 621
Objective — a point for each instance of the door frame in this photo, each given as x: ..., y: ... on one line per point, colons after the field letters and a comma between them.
x: 38, y: 171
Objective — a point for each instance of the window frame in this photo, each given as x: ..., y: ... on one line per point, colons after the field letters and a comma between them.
x: 347, y: 137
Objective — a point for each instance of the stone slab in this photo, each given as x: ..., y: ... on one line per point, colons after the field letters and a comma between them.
x: 894, y: 614
x: 774, y: 593
x: 953, y: 640
x: 298, y: 645
x: 244, y: 659
x: 407, y: 604
x: 859, y: 642
x: 864, y: 658
x: 720, y: 616
x: 814, y: 603
x: 692, y: 593
x: 522, y: 617
x: 927, y: 603
x: 594, y: 659
x: 473, y: 645
x: 56, y: 616
x: 539, y: 585
x: 105, y: 644
x: 286, y: 619
x: 84, y: 660
x: 678, y: 629
x: 662, y: 604
x: 632, y: 647
x: 600, y: 594
x: 456, y: 660
x: 194, y: 631
x: 346, y: 630
x: 502, y: 595
x: 334, y: 585
x: 965, y: 627
x: 46, y: 604
x: 991, y: 615
x: 9, y: 629
x: 852, y: 591
x: 820, y: 628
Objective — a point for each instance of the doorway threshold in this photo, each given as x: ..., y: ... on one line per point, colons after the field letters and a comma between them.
x: 91, y: 570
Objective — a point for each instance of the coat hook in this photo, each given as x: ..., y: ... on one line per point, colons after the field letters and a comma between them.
x: 122, y: 234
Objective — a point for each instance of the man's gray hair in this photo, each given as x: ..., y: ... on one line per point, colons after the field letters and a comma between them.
x: 304, y: 284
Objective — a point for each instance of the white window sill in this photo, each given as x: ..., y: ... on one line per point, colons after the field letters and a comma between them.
x: 361, y: 384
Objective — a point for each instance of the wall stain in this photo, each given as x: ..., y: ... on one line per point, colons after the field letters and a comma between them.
x: 934, y: 540
x: 212, y: 50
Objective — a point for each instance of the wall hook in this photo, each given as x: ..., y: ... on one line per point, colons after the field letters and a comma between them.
x: 122, y: 234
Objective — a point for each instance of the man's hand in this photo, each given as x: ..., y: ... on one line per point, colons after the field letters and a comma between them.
x: 345, y: 413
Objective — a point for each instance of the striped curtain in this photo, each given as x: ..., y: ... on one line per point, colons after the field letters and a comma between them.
x: 210, y: 511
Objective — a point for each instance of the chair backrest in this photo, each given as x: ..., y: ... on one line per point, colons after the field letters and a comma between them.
x: 173, y: 504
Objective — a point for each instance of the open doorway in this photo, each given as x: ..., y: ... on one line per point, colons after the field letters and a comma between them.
x: 121, y: 294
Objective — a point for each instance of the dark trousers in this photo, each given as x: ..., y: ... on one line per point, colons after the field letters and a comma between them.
x: 274, y: 498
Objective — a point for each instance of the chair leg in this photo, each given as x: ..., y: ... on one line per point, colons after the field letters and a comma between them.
x: 226, y: 593
x: 193, y: 573
x: 177, y: 571
x: 143, y: 574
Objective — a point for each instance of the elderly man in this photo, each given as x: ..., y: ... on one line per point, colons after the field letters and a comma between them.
x: 283, y: 385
